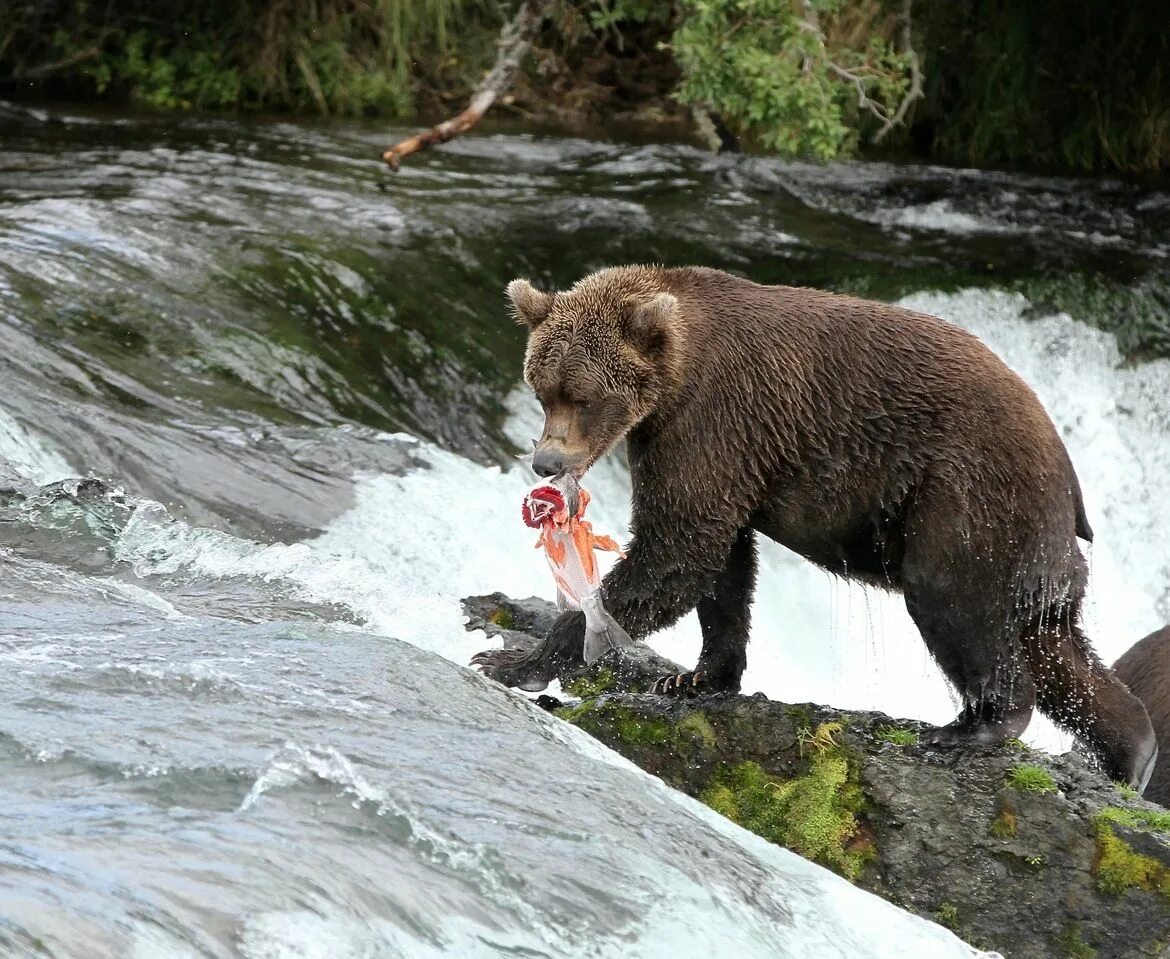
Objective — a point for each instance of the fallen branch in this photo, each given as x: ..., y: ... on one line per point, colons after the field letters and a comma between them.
x: 514, y: 42
x: 44, y: 69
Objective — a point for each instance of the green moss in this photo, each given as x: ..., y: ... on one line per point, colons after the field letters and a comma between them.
x: 1127, y: 791
x: 813, y: 815
x: 608, y: 720
x: 697, y: 727
x: 638, y: 731
x: 1004, y: 825
x: 801, y: 715
x: 502, y: 618
x: 1031, y: 779
x: 895, y: 735
x: 1073, y: 944
x: 1154, y: 820
x: 590, y: 687
x: 1119, y: 867
x: 947, y: 915
x: 576, y: 714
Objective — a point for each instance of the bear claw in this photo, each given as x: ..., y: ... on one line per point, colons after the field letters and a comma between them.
x: 513, y: 667
x: 681, y: 683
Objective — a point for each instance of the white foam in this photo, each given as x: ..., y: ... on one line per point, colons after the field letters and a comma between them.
x: 33, y: 458
x: 940, y: 216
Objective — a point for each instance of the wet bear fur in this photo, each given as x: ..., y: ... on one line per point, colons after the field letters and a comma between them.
x: 1145, y: 669
x: 881, y: 444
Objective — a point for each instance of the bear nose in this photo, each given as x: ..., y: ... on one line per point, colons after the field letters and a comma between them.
x: 546, y: 462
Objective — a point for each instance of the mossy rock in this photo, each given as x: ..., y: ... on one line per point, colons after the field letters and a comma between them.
x: 814, y: 814
x: 1120, y: 867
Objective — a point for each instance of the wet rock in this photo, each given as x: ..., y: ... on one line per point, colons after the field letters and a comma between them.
x: 1032, y: 855
x: 523, y: 623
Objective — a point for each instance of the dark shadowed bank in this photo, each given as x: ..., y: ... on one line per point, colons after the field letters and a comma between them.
x: 1069, y: 85
x: 1031, y: 855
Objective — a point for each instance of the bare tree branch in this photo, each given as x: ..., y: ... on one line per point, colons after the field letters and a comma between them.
x: 859, y: 80
x: 915, y: 91
x: 864, y: 101
x: 513, y: 44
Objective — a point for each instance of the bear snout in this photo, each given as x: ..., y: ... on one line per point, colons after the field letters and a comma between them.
x: 548, y: 461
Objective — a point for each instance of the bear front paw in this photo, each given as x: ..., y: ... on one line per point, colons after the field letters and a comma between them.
x: 680, y: 684
x: 520, y: 668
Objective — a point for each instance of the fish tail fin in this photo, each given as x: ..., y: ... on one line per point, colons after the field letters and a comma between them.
x: 603, y: 635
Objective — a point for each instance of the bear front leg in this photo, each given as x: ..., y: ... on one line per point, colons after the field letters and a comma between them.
x: 725, y: 618
x: 532, y: 670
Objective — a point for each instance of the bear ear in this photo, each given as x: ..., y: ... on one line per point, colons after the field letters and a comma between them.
x: 650, y: 324
x: 529, y: 305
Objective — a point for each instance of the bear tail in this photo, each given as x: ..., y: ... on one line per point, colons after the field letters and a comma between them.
x: 1077, y: 691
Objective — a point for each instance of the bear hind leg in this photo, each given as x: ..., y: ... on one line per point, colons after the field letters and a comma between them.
x: 974, y: 645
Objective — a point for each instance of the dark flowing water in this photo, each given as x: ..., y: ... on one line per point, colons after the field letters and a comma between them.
x: 236, y: 719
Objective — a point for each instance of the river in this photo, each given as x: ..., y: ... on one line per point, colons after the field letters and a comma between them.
x: 259, y: 411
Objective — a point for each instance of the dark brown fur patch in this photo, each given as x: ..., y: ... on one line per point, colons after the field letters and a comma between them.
x: 1145, y: 669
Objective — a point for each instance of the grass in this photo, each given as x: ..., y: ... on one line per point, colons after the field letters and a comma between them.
x: 1031, y: 779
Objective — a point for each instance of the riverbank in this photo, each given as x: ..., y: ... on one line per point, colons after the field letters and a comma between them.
x: 1040, y: 87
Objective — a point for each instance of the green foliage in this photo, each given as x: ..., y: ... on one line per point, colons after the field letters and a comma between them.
x: 610, y: 14
x: 897, y: 736
x: 328, y: 56
x: 1074, y: 84
x: 947, y: 915
x: 768, y: 69
x: 813, y: 815
x: 1031, y: 779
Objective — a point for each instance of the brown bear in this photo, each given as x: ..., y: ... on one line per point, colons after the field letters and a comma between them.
x: 883, y: 445
x: 1145, y: 669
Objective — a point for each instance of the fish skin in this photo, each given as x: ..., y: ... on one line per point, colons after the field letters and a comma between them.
x: 569, y: 542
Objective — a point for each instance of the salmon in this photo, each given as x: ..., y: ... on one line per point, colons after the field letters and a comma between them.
x: 557, y: 508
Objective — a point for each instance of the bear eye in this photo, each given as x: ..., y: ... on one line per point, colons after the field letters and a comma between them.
x: 583, y: 405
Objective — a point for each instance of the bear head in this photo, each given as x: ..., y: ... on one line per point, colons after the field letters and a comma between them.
x: 601, y: 358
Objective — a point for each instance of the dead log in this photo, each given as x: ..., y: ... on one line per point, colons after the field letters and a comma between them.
x: 514, y: 42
